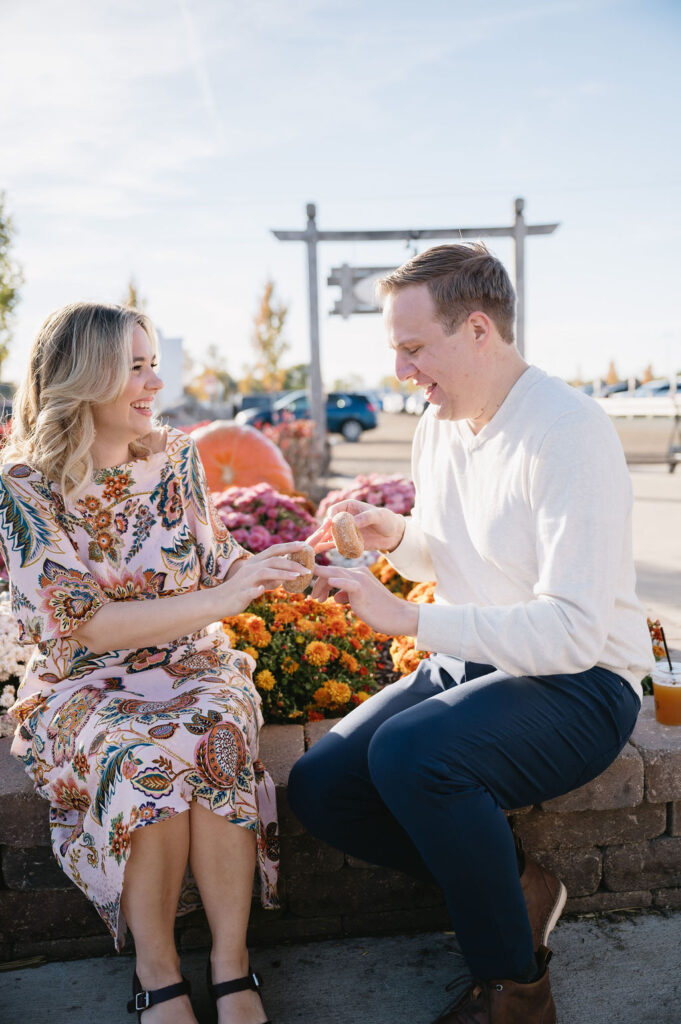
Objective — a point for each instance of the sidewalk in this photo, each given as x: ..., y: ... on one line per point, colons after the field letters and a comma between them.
x: 603, y: 972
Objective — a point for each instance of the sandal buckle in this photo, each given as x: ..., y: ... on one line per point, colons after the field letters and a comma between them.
x: 255, y: 978
x: 145, y: 1003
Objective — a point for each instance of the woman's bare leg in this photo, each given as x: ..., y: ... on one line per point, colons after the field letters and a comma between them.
x: 151, y: 890
x: 222, y: 858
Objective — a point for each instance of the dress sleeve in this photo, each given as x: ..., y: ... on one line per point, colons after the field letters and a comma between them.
x: 51, y: 591
x: 217, y: 550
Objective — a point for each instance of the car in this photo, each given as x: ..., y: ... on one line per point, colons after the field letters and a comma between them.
x: 416, y: 403
x: 657, y: 388
x: 393, y: 401
x: 347, y: 412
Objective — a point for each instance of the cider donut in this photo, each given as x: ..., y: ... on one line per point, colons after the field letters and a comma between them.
x: 346, y: 536
x: 305, y: 557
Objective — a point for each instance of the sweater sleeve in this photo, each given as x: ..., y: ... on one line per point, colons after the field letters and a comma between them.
x: 580, y: 501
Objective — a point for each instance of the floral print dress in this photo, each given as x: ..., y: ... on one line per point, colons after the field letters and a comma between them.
x: 121, y: 740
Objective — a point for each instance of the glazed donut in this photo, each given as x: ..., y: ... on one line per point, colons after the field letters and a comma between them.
x: 305, y: 557
x: 346, y: 536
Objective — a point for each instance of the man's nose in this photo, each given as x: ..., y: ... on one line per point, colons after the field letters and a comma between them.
x: 403, y: 368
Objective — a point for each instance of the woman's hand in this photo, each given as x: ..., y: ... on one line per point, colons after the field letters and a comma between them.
x: 250, y: 577
x: 381, y: 528
x: 369, y: 599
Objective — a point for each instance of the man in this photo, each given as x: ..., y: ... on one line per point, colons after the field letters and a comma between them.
x: 523, y: 519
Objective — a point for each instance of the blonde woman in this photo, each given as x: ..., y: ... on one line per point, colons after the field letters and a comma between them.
x: 137, y: 723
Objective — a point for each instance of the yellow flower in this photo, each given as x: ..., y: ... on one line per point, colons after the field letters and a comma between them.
x: 299, y: 639
x: 317, y: 653
x: 252, y: 651
x: 332, y: 695
x: 295, y: 714
x: 289, y: 666
x: 230, y: 634
x: 362, y: 695
x: 265, y: 680
x: 256, y: 631
x: 349, y: 662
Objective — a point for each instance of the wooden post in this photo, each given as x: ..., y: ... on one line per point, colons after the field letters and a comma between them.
x: 519, y: 232
x: 315, y: 389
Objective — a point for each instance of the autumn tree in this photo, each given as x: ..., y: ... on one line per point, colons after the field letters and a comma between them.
x: 132, y: 298
x: 268, y: 342
x: 11, y: 279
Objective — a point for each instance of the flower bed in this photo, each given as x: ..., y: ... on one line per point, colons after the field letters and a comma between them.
x: 260, y: 516
x: 393, y: 492
x: 314, y: 659
x: 13, y: 659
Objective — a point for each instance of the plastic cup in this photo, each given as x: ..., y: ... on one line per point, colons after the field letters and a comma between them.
x: 667, y: 693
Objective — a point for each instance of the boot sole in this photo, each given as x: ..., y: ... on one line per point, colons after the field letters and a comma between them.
x: 556, y: 911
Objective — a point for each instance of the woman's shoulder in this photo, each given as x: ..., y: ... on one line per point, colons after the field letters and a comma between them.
x: 177, y: 441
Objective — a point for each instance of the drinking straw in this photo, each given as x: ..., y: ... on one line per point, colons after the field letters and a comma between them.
x: 666, y: 650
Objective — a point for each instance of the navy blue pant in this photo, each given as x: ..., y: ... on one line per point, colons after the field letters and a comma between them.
x: 417, y: 778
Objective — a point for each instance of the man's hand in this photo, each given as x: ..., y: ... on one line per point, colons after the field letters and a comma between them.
x: 381, y: 528
x: 369, y: 599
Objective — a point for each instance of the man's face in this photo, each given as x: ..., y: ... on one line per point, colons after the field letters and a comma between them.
x: 446, y: 365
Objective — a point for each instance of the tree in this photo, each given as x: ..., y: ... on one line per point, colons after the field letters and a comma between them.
x: 351, y: 382
x: 132, y: 297
x: 267, y: 340
x: 11, y: 279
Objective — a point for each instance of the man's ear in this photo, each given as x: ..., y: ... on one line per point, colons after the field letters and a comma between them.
x: 481, y: 326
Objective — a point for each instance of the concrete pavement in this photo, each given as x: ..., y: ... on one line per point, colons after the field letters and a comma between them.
x: 604, y: 972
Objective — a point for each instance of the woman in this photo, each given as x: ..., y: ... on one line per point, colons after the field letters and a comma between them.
x: 132, y: 713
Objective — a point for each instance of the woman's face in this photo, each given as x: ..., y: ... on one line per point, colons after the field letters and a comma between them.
x: 128, y: 417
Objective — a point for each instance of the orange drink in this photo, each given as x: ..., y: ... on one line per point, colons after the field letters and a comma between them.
x: 667, y: 693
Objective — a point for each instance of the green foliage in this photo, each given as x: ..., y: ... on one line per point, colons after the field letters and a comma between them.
x: 132, y: 297
x: 11, y: 279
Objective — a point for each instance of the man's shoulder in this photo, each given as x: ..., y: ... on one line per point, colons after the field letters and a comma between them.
x: 557, y: 405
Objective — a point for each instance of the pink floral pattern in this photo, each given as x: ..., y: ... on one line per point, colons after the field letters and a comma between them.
x: 122, y: 740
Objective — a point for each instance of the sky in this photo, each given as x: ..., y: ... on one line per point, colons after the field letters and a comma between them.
x: 164, y: 141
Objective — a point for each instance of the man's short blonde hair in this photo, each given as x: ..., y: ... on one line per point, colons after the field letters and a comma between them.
x: 462, y: 279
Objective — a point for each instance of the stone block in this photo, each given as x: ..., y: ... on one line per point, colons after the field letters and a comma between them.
x: 347, y: 892
x: 602, y: 902
x: 660, y: 748
x: 288, y: 823
x: 279, y: 749
x: 78, y: 948
x: 304, y: 855
x: 23, y: 814
x: 649, y: 864
x: 406, y: 919
x: 315, y: 730
x: 356, y: 862
x: 294, y: 929
x: 48, y: 916
x: 620, y: 785
x: 580, y: 870
x: 32, y: 868
x: 674, y: 818
x: 667, y: 899
x: 543, y: 830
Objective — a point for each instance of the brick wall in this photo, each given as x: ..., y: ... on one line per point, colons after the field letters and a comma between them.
x: 616, y: 843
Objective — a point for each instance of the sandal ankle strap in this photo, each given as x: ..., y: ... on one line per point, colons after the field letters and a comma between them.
x: 143, y: 999
x: 225, y: 988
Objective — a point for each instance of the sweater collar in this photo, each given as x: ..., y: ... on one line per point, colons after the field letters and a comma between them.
x: 510, y: 407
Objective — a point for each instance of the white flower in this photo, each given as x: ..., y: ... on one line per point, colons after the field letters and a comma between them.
x: 7, y: 697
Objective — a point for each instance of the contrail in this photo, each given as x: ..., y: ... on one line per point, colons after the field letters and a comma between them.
x: 201, y: 72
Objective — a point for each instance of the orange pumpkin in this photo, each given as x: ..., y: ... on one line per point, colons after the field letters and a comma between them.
x: 236, y: 456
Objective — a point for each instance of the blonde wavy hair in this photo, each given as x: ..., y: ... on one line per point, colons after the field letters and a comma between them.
x: 81, y: 357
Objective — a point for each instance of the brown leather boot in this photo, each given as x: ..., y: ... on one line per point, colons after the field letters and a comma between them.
x: 506, y: 1002
x: 545, y: 897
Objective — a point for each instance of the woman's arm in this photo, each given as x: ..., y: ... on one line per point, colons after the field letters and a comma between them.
x: 125, y: 625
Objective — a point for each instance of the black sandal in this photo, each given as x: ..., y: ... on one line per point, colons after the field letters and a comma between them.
x: 225, y: 988
x: 142, y: 999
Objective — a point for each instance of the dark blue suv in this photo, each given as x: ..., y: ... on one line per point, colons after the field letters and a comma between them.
x: 347, y: 412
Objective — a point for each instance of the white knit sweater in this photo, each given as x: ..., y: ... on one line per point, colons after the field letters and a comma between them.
x: 526, y: 529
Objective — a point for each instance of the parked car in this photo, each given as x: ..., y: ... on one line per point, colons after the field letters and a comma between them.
x: 416, y: 403
x: 393, y: 401
x: 348, y: 412
x: 657, y: 388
